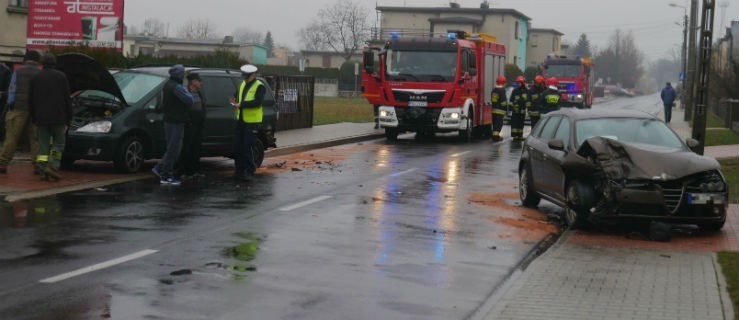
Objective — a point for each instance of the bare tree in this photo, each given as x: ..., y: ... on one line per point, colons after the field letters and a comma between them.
x: 244, y: 34
x: 312, y: 37
x: 154, y: 27
x: 342, y: 27
x: 197, y: 29
x: 621, y: 61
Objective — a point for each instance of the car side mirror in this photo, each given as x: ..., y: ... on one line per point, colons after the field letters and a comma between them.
x: 692, y: 143
x: 556, y: 144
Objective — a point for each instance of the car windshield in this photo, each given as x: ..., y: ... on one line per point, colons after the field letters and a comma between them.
x: 563, y: 70
x: 421, y: 65
x: 135, y: 86
x: 633, y: 130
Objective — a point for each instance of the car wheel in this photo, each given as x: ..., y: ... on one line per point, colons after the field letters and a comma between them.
x: 258, y: 152
x: 466, y: 135
x: 525, y: 190
x: 130, y: 155
x: 579, y: 200
x: 391, y: 134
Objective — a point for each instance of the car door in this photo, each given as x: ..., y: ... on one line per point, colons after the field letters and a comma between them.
x: 218, y: 130
x: 552, y: 165
x: 537, y: 149
x: 153, y: 124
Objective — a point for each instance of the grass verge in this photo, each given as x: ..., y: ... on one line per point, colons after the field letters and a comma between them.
x: 729, y: 262
x: 329, y: 110
x: 730, y: 169
x: 720, y: 137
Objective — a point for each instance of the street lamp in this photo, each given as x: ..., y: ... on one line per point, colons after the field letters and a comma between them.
x: 683, y: 52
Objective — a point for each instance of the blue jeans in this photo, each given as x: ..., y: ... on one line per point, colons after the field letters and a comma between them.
x: 668, y: 112
x: 246, y: 137
x: 173, y: 133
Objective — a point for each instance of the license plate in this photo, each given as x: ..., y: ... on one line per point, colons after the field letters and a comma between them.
x: 417, y: 103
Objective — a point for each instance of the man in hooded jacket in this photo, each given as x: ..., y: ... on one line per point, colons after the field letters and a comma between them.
x: 176, y: 107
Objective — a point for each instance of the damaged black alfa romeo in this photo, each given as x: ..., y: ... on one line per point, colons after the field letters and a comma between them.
x: 606, y: 166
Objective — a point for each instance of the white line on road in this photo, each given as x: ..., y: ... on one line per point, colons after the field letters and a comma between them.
x: 403, y: 172
x: 99, y: 266
x: 460, y: 154
x: 304, y: 203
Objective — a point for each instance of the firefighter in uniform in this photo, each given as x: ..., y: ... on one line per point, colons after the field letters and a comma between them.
x: 550, y: 96
x: 520, y: 103
x: 500, y: 106
x: 537, y: 95
x: 248, y: 117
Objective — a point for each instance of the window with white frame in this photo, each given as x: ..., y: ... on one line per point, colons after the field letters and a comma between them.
x: 18, y: 3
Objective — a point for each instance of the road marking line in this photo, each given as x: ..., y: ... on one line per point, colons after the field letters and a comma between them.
x: 99, y: 266
x: 460, y: 154
x: 403, y: 172
x: 304, y: 203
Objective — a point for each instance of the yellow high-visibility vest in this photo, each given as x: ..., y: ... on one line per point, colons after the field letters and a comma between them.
x: 249, y: 115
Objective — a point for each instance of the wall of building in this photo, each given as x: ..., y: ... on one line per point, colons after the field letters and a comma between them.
x: 503, y: 26
x: 13, y: 35
x: 540, y: 44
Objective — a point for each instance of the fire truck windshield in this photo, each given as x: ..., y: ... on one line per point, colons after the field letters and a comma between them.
x: 563, y: 70
x: 421, y: 66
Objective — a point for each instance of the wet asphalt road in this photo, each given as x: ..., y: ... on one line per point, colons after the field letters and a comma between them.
x: 418, y: 229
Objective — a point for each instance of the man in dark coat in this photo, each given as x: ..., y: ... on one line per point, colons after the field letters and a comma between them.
x: 189, y: 163
x: 176, y: 108
x: 50, y: 106
x: 668, y: 96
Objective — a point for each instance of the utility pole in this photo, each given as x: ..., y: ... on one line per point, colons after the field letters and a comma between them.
x: 704, y: 65
x: 690, y: 84
x: 684, y: 58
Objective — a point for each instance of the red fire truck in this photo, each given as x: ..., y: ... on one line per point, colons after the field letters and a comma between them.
x: 433, y: 84
x: 576, y: 79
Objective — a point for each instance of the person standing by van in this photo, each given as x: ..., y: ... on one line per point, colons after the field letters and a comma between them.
x: 248, y: 103
x: 17, y: 118
x: 176, y: 107
x: 189, y: 163
x: 50, y: 108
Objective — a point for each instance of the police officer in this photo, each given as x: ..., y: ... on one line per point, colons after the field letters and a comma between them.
x: 520, y: 103
x: 248, y: 104
x: 499, y: 100
x: 550, y: 96
x: 537, y: 100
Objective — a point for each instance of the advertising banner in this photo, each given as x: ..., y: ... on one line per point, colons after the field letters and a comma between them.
x: 95, y: 23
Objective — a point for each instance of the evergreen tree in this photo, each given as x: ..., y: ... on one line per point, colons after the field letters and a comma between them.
x: 270, y: 44
x: 582, y: 48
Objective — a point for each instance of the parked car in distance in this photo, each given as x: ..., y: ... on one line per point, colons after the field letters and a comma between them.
x: 606, y: 166
x: 118, y: 117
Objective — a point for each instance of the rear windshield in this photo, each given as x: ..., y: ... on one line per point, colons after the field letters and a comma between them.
x: 135, y: 86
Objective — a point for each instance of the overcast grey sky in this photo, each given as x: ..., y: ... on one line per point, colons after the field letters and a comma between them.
x: 653, y: 22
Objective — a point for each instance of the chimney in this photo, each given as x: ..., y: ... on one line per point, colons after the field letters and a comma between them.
x: 485, y: 5
x: 228, y: 39
x: 453, y: 4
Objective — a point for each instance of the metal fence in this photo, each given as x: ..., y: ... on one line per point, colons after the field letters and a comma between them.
x: 295, y: 96
x: 727, y: 110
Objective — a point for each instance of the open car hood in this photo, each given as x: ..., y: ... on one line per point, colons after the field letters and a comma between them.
x: 622, y: 160
x: 84, y: 73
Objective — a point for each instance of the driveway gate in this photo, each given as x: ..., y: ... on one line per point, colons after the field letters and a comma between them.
x: 294, y: 95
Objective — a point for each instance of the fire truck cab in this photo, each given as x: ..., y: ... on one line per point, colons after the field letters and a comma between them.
x: 576, y: 79
x: 433, y: 84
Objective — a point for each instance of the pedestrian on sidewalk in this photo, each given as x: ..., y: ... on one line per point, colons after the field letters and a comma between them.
x: 668, y: 96
x: 50, y: 106
x: 248, y: 104
x: 5, y: 75
x: 189, y: 164
x: 176, y: 107
x: 17, y: 118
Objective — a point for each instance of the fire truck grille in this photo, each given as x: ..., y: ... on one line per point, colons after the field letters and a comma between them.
x: 418, y: 116
x: 430, y: 97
